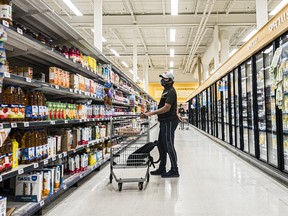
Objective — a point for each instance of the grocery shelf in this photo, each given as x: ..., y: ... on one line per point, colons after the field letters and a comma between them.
x: 49, y: 123
x: 54, y: 89
x: 21, y: 169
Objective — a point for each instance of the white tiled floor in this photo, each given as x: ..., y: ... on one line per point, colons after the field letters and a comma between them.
x: 213, y: 182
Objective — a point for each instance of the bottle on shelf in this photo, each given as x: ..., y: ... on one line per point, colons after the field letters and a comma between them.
x: 11, y: 99
x: 31, y: 112
x: 6, y: 11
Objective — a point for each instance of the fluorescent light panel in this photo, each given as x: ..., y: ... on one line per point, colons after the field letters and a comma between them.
x: 114, y: 52
x: 250, y: 35
x: 174, y: 7
x: 172, y: 52
x: 73, y: 7
x: 171, y: 64
x: 232, y: 52
x: 172, y: 35
x: 124, y: 63
x: 278, y: 7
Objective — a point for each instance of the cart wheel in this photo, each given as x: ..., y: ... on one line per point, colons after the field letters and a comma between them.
x: 148, y: 177
x: 140, y: 185
x: 110, y: 178
x: 120, y: 186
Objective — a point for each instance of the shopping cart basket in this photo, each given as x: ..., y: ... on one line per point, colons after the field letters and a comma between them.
x: 129, y: 158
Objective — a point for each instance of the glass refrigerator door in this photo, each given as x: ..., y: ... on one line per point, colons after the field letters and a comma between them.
x: 261, y: 106
x: 244, y: 107
x: 208, y: 111
x: 214, y: 114
x: 250, y: 114
x: 237, y: 113
x: 270, y: 109
x: 219, y: 109
x: 225, y: 109
x: 284, y: 68
x: 231, y: 84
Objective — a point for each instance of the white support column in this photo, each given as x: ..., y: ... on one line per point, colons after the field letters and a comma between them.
x: 216, y: 47
x: 98, y: 24
x: 146, y: 77
x: 135, y: 72
x: 224, y: 38
x: 261, y: 12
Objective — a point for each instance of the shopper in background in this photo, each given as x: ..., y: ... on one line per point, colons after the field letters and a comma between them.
x: 181, y: 112
x: 168, y: 118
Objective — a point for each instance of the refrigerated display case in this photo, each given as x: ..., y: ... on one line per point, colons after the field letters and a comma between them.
x: 220, y: 109
x: 225, y: 108
x: 237, y: 111
x: 244, y: 78
x: 214, y: 107
x: 232, y: 108
x: 261, y: 106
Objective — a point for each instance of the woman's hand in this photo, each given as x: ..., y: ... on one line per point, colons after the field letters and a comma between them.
x: 180, y: 118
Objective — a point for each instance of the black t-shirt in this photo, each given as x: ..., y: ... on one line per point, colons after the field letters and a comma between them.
x: 168, y: 96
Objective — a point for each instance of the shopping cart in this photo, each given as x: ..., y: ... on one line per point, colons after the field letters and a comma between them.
x: 131, y: 127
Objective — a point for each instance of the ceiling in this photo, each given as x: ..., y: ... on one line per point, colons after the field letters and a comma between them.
x: 152, y: 20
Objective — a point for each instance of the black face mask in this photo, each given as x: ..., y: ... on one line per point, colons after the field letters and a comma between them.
x: 163, y: 83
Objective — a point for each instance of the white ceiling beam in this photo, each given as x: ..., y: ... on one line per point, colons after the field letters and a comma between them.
x: 189, y: 38
x: 115, y: 33
x: 229, y: 6
x: 196, y: 7
x: 61, y: 8
x: 165, y: 40
x: 129, y: 6
x: 163, y: 7
x: 118, y: 21
x: 144, y: 44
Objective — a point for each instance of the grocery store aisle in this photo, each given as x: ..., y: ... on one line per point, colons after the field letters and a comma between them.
x: 213, y: 182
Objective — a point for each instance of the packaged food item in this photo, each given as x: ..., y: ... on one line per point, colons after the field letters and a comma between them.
x: 74, y: 81
x: 46, y: 183
x: 29, y: 188
x: 71, y: 166
x: 27, y: 72
x: 57, y: 180
x: 77, y: 163
x: 53, y: 75
x: 3, y: 33
x: 3, y: 205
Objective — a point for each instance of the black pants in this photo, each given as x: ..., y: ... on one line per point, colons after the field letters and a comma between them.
x: 166, y: 144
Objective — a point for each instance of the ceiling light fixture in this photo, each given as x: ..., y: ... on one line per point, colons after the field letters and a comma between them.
x: 174, y: 7
x: 114, y: 52
x: 171, y: 71
x: 278, y: 7
x: 232, y: 52
x: 172, y: 52
x: 250, y: 35
x: 124, y: 63
x: 172, y: 35
x: 171, y: 64
x: 73, y: 7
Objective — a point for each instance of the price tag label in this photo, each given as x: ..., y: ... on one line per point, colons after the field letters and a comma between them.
x: 36, y: 165
x: 56, y: 86
x: 20, y: 171
x: 26, y: 124
x: 1, y: 178
x: 74, y: 150
x: 81, y: 120
x: 41, y: 203
x: 71, y: 90
x: 28, y: 79
x: 80, y: 92
x: 88, y: 120
x: 81, y: 175
x: 13, y: 125
x: 86, y: 93
x: 60, y: 156
x: 46, y: 162
x: 20, y: 31
x: 89, y: 144
x: 65, y: 154
x: 64, y: 186
x: 76, y: 91
x: 1, y: 126
x: 66, y: 121
x: 54, y: 158
x: 52, y: 122
x: 5, y: 23
x: 7, y: 75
